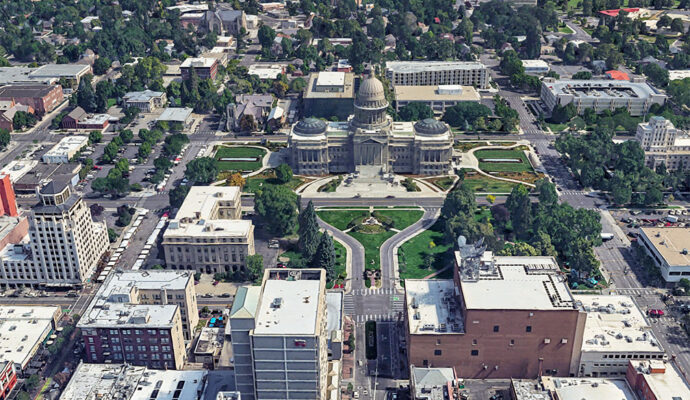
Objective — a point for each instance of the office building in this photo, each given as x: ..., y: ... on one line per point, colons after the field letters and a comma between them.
x: 159, y: 287
x: 615, y: 333
x: 209, y: 346
x: 329, y: 94
x: 8, y: 201
x: 434, y: 73
x: 668, y: 248
x: 135, y: 322
x: 129, y: 382
x: 600, y: 95
x: 656, y: 380
x: 207, y: 234
x: 65, y: 150
x: 536, y: 67
x: 178, y: 118
x: 370, y: 140
x: 264, y: 71
x: 70, y: 73
x: 500, y: 317
x: 279, y: 336
x: 42, y: 98
x: 438, y: 98
x: 24, y: 330
x: 31, y: 175
x: 146, y: 101
x: 63, y: 246
x: 205, y: 68
x: 664, y: 144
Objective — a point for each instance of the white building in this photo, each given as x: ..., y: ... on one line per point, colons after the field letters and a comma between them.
x: 146, y: 100
x: 127, y: 382
x: 664, y: 144
x: 65, y: 150
x: 23, y: 330
x: 434, y: 73
x: 615, y: 332
x: 438, y: 98
x: 668, y: 247
x: 536, y: 67
x: 207, y: 234
x: 266, y: 71
x: 600, y: 95
x: 63, y: 246
x: 280, y: 334
x: 177, y: 115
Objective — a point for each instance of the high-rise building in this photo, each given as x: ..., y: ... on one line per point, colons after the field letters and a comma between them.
x: 8, y: 201
x: 279, y: 336
x: 64, y: 244
x: 434, y: 73
x: 207, y: 234
x: 664, y: 144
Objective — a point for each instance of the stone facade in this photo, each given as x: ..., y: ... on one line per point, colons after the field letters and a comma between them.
x: 663, y: 143
x: 370, y: 138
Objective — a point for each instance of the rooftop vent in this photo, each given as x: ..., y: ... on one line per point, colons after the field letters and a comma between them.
x: 277, y: 302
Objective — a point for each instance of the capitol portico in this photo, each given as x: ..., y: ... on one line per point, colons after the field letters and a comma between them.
x: 370, y: 138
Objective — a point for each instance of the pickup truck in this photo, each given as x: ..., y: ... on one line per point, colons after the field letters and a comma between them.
x: 606, y: 236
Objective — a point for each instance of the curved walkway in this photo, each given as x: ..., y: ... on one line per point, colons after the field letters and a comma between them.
x: 355, y: 256
x: 389, y: 248
x: 473, y: 163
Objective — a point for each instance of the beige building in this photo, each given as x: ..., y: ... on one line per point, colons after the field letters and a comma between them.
x: 279, y: 336
x: 438, y: 98
x: 434, y: 73
x: 207, y: 235
x: 146, y: 101
x: 159, y: 287
x: 64, y: 244
x: 664, y: 144
x: 668, y: 247
x: 370, y: 139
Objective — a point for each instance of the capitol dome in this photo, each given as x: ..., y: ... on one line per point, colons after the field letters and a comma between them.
x: 371, y: 93
x: 310, y: 126
x: 430, y: 127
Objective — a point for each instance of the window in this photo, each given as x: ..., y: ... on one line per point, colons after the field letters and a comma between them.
x: 438, y: 342
x: 474, y: 342
x: 496, y: 328
x: 474, y: 353
x: 528, y: 328
x: 437, y: 352
x: 512, y: 342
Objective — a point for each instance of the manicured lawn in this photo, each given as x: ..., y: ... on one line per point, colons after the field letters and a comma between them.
x: 565, y: 29
x: 466, y: 146
x: 340, y: 219
x: 484, y: 184
x: 522, y: 166
x: 256, y: 182
x: 402, y: 219
x: 412, y: 254
x: 111, y: 102
x: 372, y: 247
x: 225, y: 152
x: 443, y: 183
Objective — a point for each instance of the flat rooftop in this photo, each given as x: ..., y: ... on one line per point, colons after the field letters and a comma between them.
x: 175, y: 114
x: 665, y: 385
x: 61, y: 70
x: 18, y: 168
x: 600, y: 88
x: 66, y: 145
x: 121, y: 281
x: 615, y: 324
x: 436, y: 93
x: 518, y: 283
x: 210, y: 341
x: 589, y: 388
x: 198, y: 62
x: 201, y: 201
x: 432, y: 307
x: 334, y: 311
x: 329, y: 78
x: 288, y: 308
x: 96, y: 119
x: 22, y: 328
x: 126, y: 382
x: 535, y: 64
x: 670, y: 243
x: 402, y: 67
x: 209, y: 228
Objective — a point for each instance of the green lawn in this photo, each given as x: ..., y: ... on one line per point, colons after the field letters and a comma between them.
x: 484, y: 184
x: 412, y: 254
x: 565, y: 29
x: 402, y: 218
x: 341, y: 218
x: 224, y: 152
x: 257, y: 182
x: 111, y: 102
x: 372, y: 247
x: 523, y: 166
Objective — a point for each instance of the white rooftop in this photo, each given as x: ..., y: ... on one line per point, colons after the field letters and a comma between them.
x: 209, y: 228
x: 198, y: 62
x: 126, y: 382
x: 678, y: 74
x: 418, y: 66
x: 519, y: 283
x: 589, y: 388
x: 175, y: 114
x: 288, y: 308
x: 535, y: 64
x: 67, y: 144
x: 327, y: 78
x: 202, y: 200
x: 22, y: 329
x: 121, y: 281
x: 664, y: 385
x: 600, y: 88
x: 615, y: 324
x: 95, y: 119
x: 432, y: 307
x: 265, y: 71
x: 18, y: 168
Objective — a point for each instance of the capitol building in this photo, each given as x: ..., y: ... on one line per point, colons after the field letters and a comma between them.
x: 370, y: 139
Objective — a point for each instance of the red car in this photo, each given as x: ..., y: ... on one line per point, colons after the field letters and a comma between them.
x: 97, y: 167
x: 655, y: 313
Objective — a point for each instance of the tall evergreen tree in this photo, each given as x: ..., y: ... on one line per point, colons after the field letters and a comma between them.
x: 325, y: 256
x: 308, y: 232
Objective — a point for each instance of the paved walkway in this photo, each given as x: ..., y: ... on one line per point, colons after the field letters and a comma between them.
x: 354, y: 250
x: 470, y: 161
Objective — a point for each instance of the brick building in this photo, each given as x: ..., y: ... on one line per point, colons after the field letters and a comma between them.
x: 8, y: 379
x: 42, y: 98
x: 71, y: 120
x: 500, y: 317
x: 205, y: 68
x: 8, y: 201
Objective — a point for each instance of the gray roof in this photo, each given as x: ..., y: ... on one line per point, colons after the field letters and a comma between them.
x: 56, y: 186
x: 430, y: 126
x: 175, y: 114
x: 28, y: 90
x: 77, y: 114
x: 60, y: 70
x: 311, y: 126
